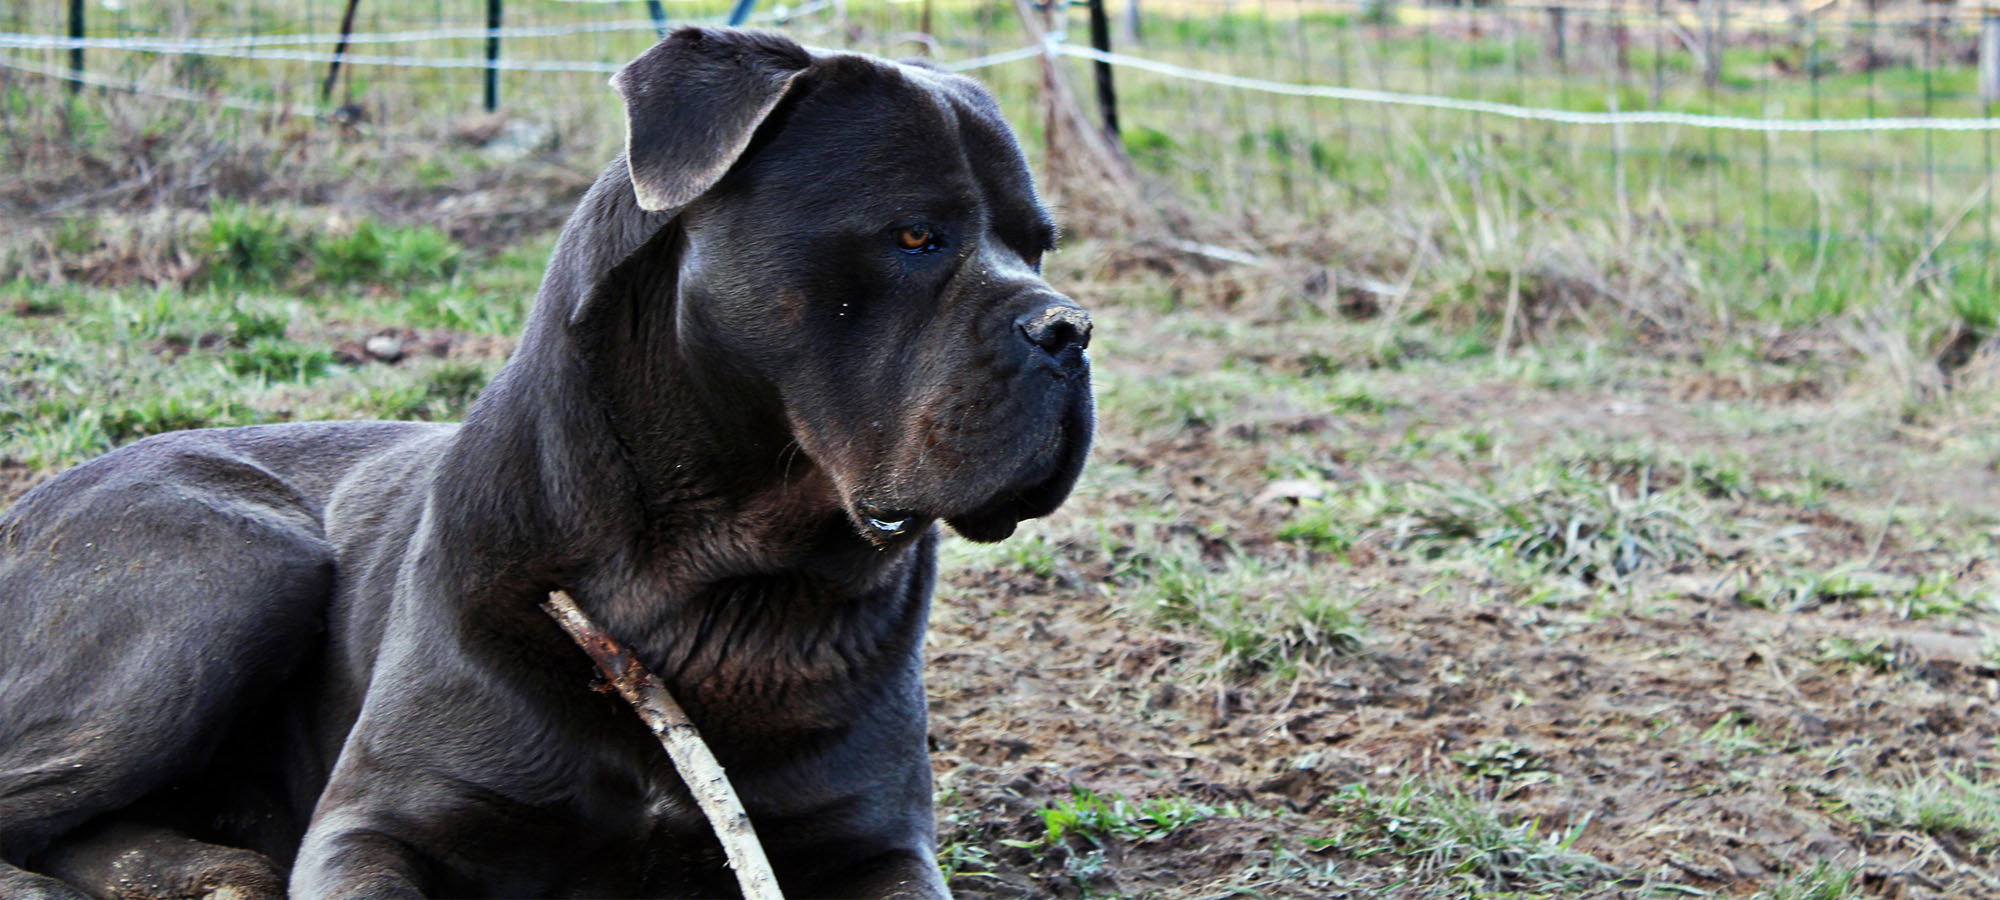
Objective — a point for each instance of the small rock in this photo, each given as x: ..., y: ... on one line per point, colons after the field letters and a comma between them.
x: 1291, y: 490
x: 385, y: 347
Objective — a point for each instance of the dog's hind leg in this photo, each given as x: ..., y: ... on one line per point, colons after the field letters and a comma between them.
x: 145, y: 862
x: 146, y: 608
x: 18, y: 885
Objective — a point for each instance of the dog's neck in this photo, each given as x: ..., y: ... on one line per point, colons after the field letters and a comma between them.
x: 629, y: 480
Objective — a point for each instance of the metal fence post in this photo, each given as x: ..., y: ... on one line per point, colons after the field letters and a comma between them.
x: 659, y: 16
x: 492, y: 55
x: 76, y: 48
x: 741, y: 13
x: 1100, y: 38
x: 339, y: 49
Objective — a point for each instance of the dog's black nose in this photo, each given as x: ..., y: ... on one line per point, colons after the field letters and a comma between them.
x: 1056, y: 328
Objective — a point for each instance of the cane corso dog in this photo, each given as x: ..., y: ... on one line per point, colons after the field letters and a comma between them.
x: 798, y: 323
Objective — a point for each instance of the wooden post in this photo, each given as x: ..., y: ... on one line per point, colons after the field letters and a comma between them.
x: 1716, y: 42
x: 492, y: 55
x: 1558, y: 40
x: 1100, y: 38
x: 1659, y: 53
x: 1989, y: 56
x: 76, y: 49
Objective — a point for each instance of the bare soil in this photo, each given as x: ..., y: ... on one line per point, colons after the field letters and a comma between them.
x: 1044, y: 684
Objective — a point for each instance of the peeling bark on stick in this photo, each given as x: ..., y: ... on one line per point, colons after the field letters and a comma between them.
x: 698, y: 768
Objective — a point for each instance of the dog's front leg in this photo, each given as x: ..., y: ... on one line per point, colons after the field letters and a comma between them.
x: 899, y: 875
x: 355, y: 864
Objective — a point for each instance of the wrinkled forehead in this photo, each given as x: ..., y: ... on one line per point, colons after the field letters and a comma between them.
x: 871, y: 137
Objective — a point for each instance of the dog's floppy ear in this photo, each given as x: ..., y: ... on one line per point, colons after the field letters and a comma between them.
x: 692, y: 103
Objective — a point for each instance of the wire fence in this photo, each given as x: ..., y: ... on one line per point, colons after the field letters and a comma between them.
x: 1788, y: 131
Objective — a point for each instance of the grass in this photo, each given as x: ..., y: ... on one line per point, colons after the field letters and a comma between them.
x: 1459, y: 472
x: 1960, y: 808
x: 1823, y: 881
x: 251, y: 337
x: 1441, y: 832
x: 1554, y: 519
x: 1098, y: 818
x: 1259, y: 618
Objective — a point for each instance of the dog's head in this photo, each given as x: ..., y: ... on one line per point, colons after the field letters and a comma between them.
x: 860, y: 248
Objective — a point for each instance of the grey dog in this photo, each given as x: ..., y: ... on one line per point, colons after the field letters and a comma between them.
x: 798, y: 323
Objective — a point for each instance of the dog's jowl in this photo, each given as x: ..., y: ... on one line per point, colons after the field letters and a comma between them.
x: 799, y: 323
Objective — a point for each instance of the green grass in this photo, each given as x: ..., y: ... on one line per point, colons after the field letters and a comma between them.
x: 1823, y: 881
x: 1258, y: 617
x: 1098, y: 818
x: 1553, y: 518
x: 251, y: 338
x: 1442, y: 832
x: 1960, y: 807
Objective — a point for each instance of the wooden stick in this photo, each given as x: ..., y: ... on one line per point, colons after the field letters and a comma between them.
x: 670, y: 723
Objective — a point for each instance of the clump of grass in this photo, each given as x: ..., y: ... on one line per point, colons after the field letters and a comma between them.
x: 1734, y: 735
x: 1559, y: 522
x: 1099, y: 818
x: 1946, y: 805
x: 277, y: 359
x: 442, y: 393
x: 1878, y: 655
x: 1504, y: 761
x: 161, y: 413
x: 383, y: 254
x: 251, y: 247
x: 257, y: 248
x: 1440, y: 831
x: 1799, y: 590
x: 1262, y: 618
x: 1821, y: 882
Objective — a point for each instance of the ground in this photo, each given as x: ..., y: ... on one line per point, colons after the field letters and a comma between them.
x: 1445, y: 548
x: 1346, y: 606
x: 1773, y: 699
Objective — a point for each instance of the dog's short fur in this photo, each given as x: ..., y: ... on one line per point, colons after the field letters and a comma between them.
x: 799, y: 322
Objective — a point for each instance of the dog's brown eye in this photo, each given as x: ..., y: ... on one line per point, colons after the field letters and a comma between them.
x: 916, y: 239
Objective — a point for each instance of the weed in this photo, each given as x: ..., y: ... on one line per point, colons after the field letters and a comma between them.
x: 1262, y: 619
x: 1877, y: 655
x: 1800, y: 590
x: 276, y: 359
x: 1444, y: 832
x: 1947, y: 805
x: 162, y: 413
x: 1561, y: 523
x: 958, y: 859
x: 442, y: 393
x: 1504, y: 761
x: 1734, y: 735
x: 250, y: 247
x: 1321, y: 527
x: 1821, y: 882
x: 384, y: 254
x: 1098, y: 818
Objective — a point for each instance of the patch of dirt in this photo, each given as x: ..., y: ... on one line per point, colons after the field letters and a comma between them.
x: 1690, y: 738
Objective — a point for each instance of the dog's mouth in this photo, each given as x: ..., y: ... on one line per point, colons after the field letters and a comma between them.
x: 885, y: 525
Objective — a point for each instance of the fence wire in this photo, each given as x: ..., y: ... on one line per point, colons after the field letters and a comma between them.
x: 1764, y: 124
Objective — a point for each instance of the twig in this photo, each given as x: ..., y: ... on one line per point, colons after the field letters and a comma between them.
x: 697, y: 766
